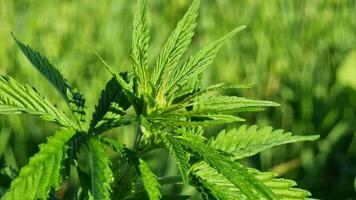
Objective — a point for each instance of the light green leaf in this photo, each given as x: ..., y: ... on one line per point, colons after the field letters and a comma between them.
x: 140, y: 39
x: 228, y: 104
x: 221, y: 188
x: 43, y: 171
x: 232, y: 171
x: 214, y: 183
x: 16, y: 98
x: 175, y: 46
x: 246, y: 141
x: 101, y: 174
x: 283, y: 188
x: 197, y: 63
x: 149, y: 180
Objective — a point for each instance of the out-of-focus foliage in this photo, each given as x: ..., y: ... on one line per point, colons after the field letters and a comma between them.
x: 300, y: 53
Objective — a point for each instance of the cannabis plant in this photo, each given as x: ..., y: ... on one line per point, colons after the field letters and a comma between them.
x: 170, y: 108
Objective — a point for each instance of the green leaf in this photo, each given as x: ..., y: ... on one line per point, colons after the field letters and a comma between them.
x: 179, y: 154
x: 175, y: 46
x: 195, y: 120
x: 42, y: 173
x: 183, y: 98
x: 140, y: 39
x: 101, y: 174
x: 149, y: 180
x: 45, y: 68
x: 228, y: 104
x: 197, y: 63
x: 221, y: 188
x: 232, y: 171
x: 214, y: 183
x: 111, y: 107
x: 74, y: 98
x: 16, y: 98
x: 283, y: 188
x: 213, y: 88
x: 246, y: 141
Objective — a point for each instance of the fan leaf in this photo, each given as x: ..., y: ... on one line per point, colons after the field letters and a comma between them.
x: 42, y: 173
x: 174, y: 48
x: 196, y: 64
x: 232, y: 171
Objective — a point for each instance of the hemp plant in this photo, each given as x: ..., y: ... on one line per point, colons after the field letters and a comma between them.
x: 171, y: 110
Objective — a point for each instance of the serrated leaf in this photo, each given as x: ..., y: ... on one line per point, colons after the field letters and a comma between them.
x: 222, y: 188
x: 149, y: 180
x: 228, y: 104
x: 111, y: 107
x: 197, y: 63
x: 16, y: 98
x: 183, y: 98
x: 174, y: 48
x: 45, y: 68
x: 247, y: 141
x: 179, y: 154
x: 232, y: 171
x: 52, y: 74
x: 101, y: 174
x: 140, y: 39
x: 214, y: 183
x: 42, y: 173
x: 283, y: 188
x: 195, y: 120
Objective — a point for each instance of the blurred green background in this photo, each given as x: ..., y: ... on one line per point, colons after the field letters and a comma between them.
x: 300, y: 53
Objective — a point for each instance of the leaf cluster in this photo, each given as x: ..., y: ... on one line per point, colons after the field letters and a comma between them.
x: 171, y: 109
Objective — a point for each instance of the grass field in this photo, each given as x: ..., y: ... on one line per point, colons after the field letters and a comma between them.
x: 300, y: 53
